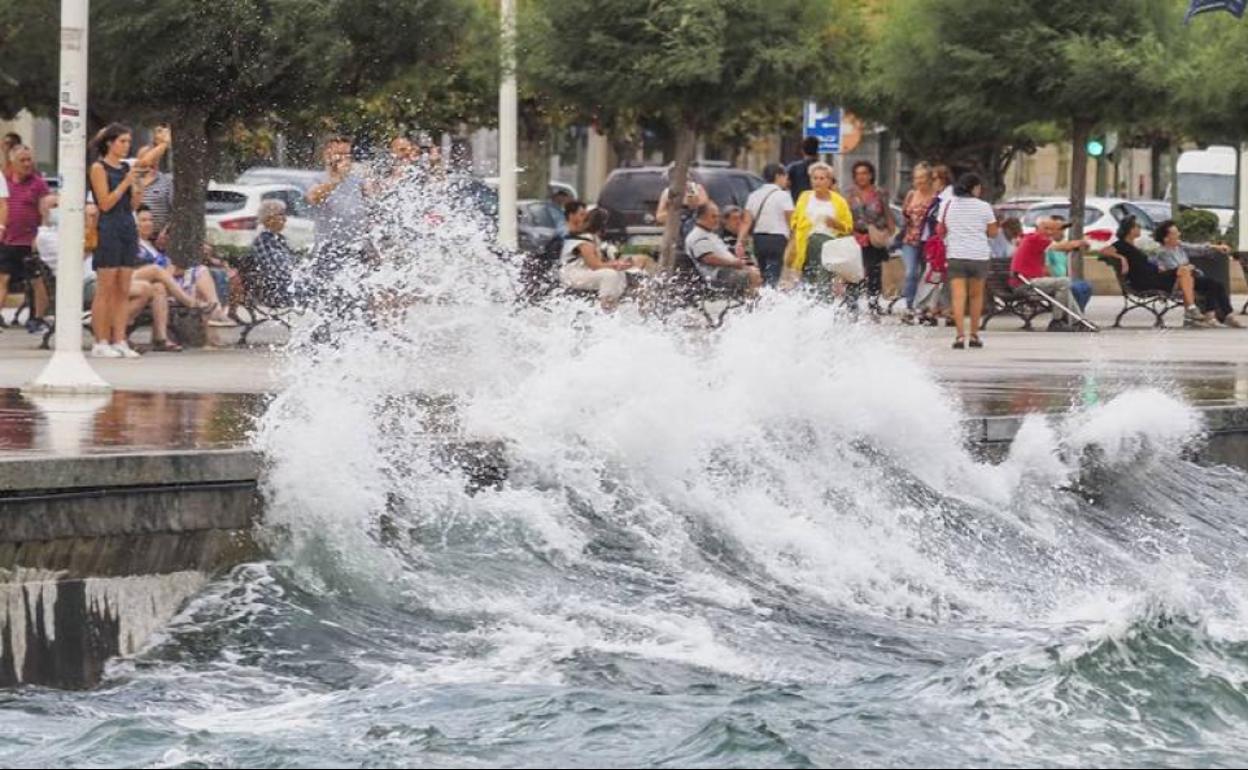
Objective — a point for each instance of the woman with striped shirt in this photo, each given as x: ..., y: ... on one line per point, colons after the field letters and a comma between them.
x: 968, y: 224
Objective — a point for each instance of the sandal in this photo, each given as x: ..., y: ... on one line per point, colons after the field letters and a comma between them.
x: 975, y: 341
x: 165, y: 346
x: 959, y: 343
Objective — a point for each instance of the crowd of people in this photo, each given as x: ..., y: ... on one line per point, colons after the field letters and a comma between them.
x: 795, y: 228
x: 128, y: 269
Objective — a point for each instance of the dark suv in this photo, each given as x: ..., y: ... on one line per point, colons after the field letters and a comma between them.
x: 632, y: 194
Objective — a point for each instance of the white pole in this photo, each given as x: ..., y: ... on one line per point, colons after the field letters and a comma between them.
x: 1241, y: 218
x: 507, y: 126
x: 68, y: 371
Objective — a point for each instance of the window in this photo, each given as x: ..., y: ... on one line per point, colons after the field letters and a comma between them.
x: 224, y: 202
x: 1211, y: 190
x: 293, y: 200
x: 1062, y: 210
x: 1123, y: 210
x: 635, y: 194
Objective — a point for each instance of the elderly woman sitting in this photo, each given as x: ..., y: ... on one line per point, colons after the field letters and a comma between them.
x: 1174, y: 257
x: 271, y: 262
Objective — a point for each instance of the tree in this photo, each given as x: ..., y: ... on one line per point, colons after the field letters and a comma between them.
x: 206, y: 67
x: 28, y: 66
x: 695, y: 65
x: 974, y: 82
x: 203, y: 65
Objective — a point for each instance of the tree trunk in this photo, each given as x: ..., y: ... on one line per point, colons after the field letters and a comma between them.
x: 1172, y: 161
x: 190, y: 183
x: 686, y: 143
x: 1155, y: 174
x: 1078, y: 187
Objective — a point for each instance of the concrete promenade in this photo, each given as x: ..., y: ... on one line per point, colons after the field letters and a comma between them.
x: 1011, y: 358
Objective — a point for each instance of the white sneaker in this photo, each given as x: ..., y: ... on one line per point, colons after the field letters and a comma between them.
x: 104, y: 350
x: 124, y: 350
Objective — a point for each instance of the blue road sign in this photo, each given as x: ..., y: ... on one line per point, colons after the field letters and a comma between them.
x: 825, y: 123
x: 1235, y: 7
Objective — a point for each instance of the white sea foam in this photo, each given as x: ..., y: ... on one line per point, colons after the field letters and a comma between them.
x: 790, y: 453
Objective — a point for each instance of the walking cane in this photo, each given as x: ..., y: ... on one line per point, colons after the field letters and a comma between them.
x: 1057, y: 304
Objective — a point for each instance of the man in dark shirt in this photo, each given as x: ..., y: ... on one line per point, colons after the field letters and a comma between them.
x: 799, y: 171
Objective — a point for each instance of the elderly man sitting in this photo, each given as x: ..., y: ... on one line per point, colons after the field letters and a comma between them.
x: 1030, y: 263
x: 270, y: 268
x: 714, y: 259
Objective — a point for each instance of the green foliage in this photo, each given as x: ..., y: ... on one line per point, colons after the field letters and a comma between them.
x: 695, y: 63
x: 224, y: 59
x: 1209, y: 84
x: 1198, y: 225
x: 969, y: 81
x: 432, y: 64
x: 28, y: 69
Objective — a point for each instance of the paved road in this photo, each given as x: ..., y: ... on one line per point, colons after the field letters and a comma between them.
x: 1011, y: 357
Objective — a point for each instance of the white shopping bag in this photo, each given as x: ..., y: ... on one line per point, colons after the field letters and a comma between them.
x: 842, y: 257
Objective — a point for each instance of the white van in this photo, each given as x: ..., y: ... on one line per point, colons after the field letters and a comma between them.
x: 1207, y: 181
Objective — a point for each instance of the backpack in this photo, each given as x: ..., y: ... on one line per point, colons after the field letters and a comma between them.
x: 552, y: 251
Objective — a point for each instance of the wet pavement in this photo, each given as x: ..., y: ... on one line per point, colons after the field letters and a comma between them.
x: 209, y: 399
x: 129, y: 421
x: 125, y: 421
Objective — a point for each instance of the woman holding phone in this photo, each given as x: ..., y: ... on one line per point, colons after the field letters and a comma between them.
x: 117, y: 190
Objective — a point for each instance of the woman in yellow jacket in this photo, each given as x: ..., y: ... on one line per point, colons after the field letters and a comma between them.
x: 819, y: 215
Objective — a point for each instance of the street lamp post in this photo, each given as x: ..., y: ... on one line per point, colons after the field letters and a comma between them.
x: 68, y: 371
x: 507, y: 126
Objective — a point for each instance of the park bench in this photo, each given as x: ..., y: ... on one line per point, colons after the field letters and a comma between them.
x: 1019, y: 301
x: 1157, y: 301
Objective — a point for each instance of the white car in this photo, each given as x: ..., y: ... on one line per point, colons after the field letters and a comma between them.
x: 1100, y: 215
x: 232, y: 214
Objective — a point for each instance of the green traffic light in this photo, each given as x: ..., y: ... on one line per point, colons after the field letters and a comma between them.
x: 1096, y: 148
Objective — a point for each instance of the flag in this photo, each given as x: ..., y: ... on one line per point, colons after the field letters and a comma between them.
x: 1204, y: 6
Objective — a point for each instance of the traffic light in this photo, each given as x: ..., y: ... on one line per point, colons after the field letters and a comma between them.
x: 1103, y: 145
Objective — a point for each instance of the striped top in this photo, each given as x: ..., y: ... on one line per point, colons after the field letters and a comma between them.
x: 159, y: 198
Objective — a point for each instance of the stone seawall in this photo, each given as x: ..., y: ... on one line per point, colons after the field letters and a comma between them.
x: 98, y: 553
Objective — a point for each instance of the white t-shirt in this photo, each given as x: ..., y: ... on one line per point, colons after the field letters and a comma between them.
x: 570, y: 254
x: 4, y: 187
x: 966, y: 222
x: 769, y: 206
x: 818, y: 211
x: 47, y: 244
x: 702, y: 243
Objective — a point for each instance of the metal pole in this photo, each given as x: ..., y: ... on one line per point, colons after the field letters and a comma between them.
x: 68, y: 371
x: 507, y: 126
x: 1241, y: 201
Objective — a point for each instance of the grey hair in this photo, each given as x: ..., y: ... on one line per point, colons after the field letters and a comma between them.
x: 821, y: 166
x: 271, y: 208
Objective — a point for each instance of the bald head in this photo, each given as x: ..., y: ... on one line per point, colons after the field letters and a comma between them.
x: 708, y: 215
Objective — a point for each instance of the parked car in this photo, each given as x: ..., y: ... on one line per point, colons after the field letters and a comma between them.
x: 1159, y: 210
x: 552, y: 186
x: 539, y: 220
x: 232, y: 214
x: 632, y: 194
x: 303, y: 178
x: 1100, y: 215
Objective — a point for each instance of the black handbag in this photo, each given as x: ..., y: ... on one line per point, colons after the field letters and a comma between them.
x: 189, y: 326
